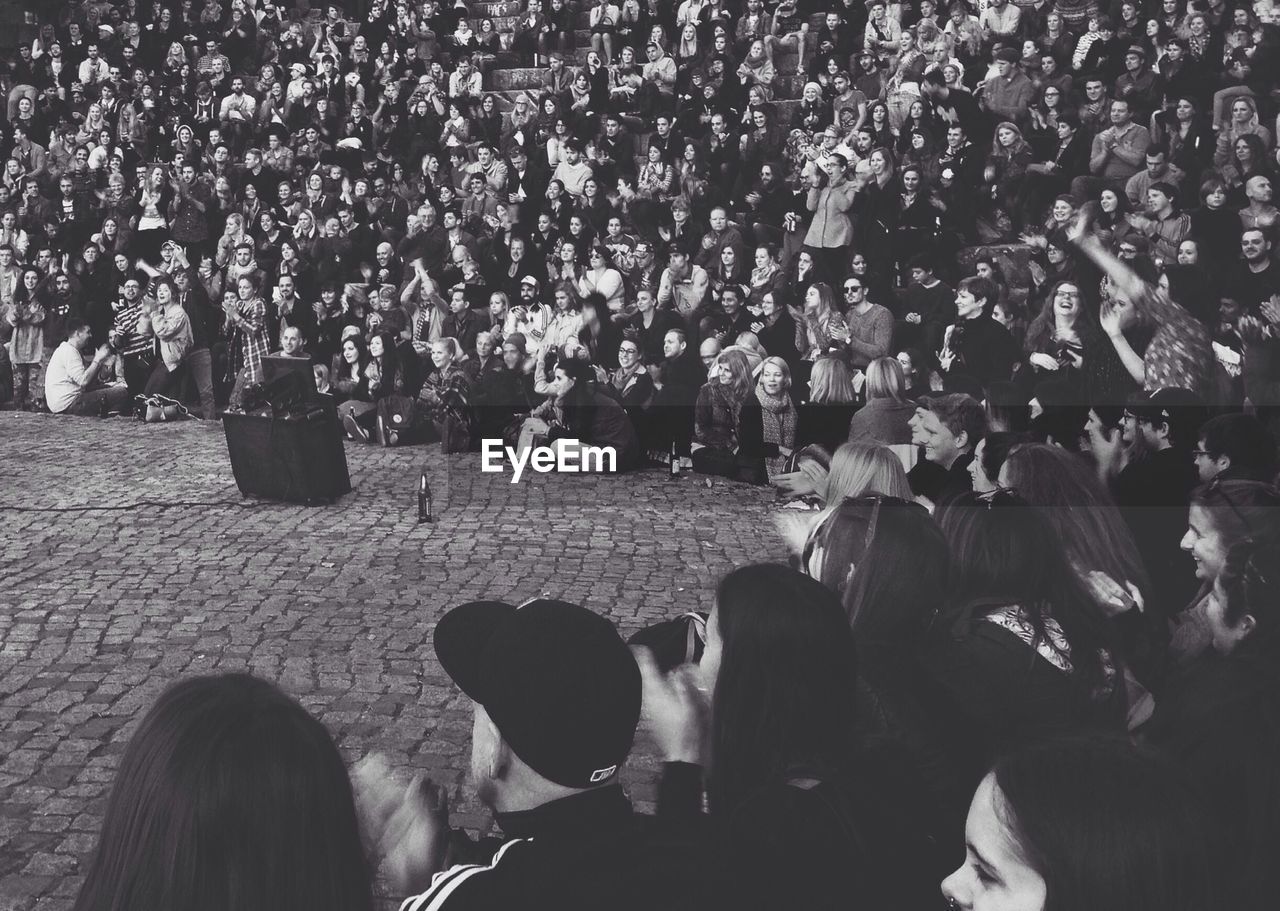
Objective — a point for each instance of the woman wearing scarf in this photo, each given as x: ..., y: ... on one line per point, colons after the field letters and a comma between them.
x: 758, y: 70
x: 443, y: 406
x: 767, y: 422
x: 630, y: 384
x: 521, y: 120
x: 813, y: 114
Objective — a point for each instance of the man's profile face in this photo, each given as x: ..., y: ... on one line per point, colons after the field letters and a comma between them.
x: 940, y: 444
x: 672, y: 345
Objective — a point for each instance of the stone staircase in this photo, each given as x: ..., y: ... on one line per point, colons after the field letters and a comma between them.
x: 508, y: 76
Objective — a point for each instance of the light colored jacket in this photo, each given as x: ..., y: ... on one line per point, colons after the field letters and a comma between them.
x: 830, y: 206
x: 172, y: 326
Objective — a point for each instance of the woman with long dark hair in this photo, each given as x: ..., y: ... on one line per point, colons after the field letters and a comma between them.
x: 348, y: 370
x: 1021, y: 648
x: 1087, y: 823
x: 886, y: 558
x: 798, y: 818
x: 578, y: 410
x: 229, y: 795
x: 1062, y: 339
x: 385, y: 375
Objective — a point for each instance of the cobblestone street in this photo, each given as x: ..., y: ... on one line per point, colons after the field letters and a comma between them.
x: 101, y: 608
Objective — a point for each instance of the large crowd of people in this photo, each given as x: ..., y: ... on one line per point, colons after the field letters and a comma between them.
x: 989, y: 290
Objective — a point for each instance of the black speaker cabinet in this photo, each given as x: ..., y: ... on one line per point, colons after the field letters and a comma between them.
x: 297, y: 459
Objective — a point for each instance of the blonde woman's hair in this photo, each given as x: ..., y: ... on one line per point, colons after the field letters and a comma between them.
x: 830, y: 382
x: 451, y: 345
x: 781, y: 365
x: 865, y: 468
x: 885, y: 379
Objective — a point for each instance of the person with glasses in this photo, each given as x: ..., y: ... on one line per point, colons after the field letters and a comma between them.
x: 1154, y: 488
x: 1236, y: 446
x: 630, y: 383
x: 1218, y: 718
x: 870, y: 326
x: 1061, y: 337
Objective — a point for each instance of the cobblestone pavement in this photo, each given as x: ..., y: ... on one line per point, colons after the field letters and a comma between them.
x: 99, y: 610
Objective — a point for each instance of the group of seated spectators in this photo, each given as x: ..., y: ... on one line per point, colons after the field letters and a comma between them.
x: 996, y: 705
x: 992, y: 286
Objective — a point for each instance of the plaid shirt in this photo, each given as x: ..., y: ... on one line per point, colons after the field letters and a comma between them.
x: 247, y: 341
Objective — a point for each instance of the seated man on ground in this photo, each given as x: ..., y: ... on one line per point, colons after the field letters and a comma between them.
x: 72, y: 387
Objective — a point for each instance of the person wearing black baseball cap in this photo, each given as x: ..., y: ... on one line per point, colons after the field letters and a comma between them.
x: 556, y: 696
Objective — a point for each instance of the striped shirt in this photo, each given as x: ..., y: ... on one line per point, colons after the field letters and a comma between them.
x: 131, y: 341
x: 447, y: 882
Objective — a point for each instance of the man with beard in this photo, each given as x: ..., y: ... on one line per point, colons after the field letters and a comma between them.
x: 768, y: 202
x: 556, y: 698
x: 292, y: 312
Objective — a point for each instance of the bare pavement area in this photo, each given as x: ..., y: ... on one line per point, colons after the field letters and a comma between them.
x: 105, y: 599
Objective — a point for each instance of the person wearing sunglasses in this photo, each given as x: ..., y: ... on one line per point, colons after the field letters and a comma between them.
x: 1220, y: 718
x: 870, y: 325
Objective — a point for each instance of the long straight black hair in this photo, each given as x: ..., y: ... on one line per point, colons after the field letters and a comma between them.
x: 1110, y: 827
x: 1004, y: 552
x: 229, y: 796
x: 784, y: 697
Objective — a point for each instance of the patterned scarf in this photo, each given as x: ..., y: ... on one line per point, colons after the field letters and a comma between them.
x: 779, y: 422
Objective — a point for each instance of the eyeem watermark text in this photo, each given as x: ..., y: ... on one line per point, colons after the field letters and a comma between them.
x: 562, y: 456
